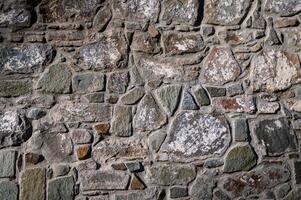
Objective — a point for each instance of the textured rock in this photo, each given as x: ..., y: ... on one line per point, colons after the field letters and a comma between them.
x: 104, y: 180
x: 283, y: 7
x: 274, y: 70
x: 88, y: 82
x: 202, y: 187
x: 294, y: 195
x: 206, y: 135
x: 229, y: 12
x: 240, y: 130
x: 156, y: 139
x: 148, y: 116
x: 60, y: 170
x: 33, y: 184
x: 14, y: 88
x: 80, y: 136
x: 220, y: 67
x: 83, y: 152
x: 274, y: 136
x: 147, y: 194
x: 25, y: 58
x: 170, y: 175
x: 16, y: 18
x: 8, y: 163
x: 240, y: 158
x: 201, y: 96
x: 136, y: 184
x: 132, y: 96
x: 121, y: 122
x: 235, y: 104
x: 61, y: 188
x: 8, y: 190
x: 118, y: 82
x: 102, y: 18
x: 188, y: 102
x: 55, y: 79
x: 297, y: 171
x: 143, y: 42
x: 177, y: 192
x: 168, y: 96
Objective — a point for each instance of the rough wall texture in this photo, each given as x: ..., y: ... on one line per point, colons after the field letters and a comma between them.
x: 150, y: 99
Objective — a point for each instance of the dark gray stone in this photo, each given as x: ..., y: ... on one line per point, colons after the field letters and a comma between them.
x: 169, y: 97
x: 36, y: 113
x: 134, y: 166
x: 282, y: 190
x: 213, y: 163
x: 188, y: 102
x: 121, y: 123
x: 220, y: 195
x: 61, y: 188
x: 118, y: 82
x: 235, y: 89
x: 8, y: 163
x: 294, y: 195
x: 33, y: 184
x: 132, y: 96
x: 60, y: 170
x: 102, y: 18
x: 216, y: 91
x: 177, y: 192
x: 88, y: 82
x: 240, y: 129
x: 14, y: 88
x: 201, y: 96
x: 202, y: 188
x: 297, y: 171
x: 9, y: 190
x: 97, y: 97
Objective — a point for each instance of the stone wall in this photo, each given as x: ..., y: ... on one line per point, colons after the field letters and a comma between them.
x: 150, y: 99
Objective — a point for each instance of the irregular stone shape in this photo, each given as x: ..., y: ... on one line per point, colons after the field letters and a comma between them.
x: 36, y: 113
x: 202, y: 187
x: 292, y: 38
x: 14, y: 88
x: 102, y: 128
x: 235, y: 89
x: 118, y: 82
x: 274, y: 136
x: 9, y: 190
x: 33, y: 158
x: 113, y: 148
x: 81, y: 136
x: 188, y: 102
x: 256, y: 181
x: 33, y: 184
x: 156, y: 139
x: 68, y: 10
x: 169, y: 97
x: 177, y: 192
x: 297, y: 171
x: 213, y: 163
x: 55, y: 79
x: 196, y: 135
x: 143, y: 42
x: 235, y: 104
x: 8, y: 163
x: 25, y: 58
x: 293, y: 104
x: 283, y: 7
x: 201, y: 96
x: 14, y: 129
x: 229, y: 12
x: 267, y: 107
x: 181, y: 11
x: 178, y: 43
x: 16, y: 18
x: 60, y: 170
x: 274, y: 70
x: 240, y: 158
x: 102, y: 18
x: 61, y: 188
x: 132, y: 96
x: 170, y: 174
x: 108, y: 53
x: 220, y: 67
x: 121, y: 123
x: 57, y: 147
x: 136, y: 11
x: 134, y: 166
x: 294, y: 195
x: 136, y: 184
x: 71, y: 112
x: 88, y: 82
x: 148, y: 116
x: 103, y: 180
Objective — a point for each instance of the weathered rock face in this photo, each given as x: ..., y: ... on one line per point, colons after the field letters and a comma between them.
x: 274, y: 70
x: 206, y: 135
x: 282, y: 7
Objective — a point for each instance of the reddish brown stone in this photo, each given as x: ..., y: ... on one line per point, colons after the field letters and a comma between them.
x: 119, y: 166
x: 137, y: 184
x: 152, y: 31
x: 102, y: 128
x: 83, y: 152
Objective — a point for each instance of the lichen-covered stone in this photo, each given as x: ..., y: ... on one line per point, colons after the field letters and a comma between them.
x: 149, y: 115
x: 61, y: 188
x: 14, y: 88
x: 9, y: 190
x: 8, y: 163
x: 55, y: 79
x: 118, y: 82
x: 274, y: 70
x: 33, y: 184
x: 225, y: 12
x: 274, y: 136
x: 16, y: 18
x: 108, y: 53
x: 283, y: 7
x: 88, y: 82
x: 121, y: 123
x: 206, y: 135
x: 220, y: 67
x: 170, y: 174
x: 186, y: 11
x: 169, y: 97
x: 240, y: 158
x: 104, y: 180
x: 25, y: 58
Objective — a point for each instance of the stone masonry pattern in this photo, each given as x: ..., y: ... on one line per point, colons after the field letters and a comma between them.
x: 150, y: 99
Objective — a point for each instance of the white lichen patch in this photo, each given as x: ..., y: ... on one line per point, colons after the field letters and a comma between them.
x: 9, y: 122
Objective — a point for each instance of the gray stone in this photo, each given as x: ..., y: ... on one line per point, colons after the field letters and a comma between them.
x: 283, y: 190
x: 97, y: 97
x: 220, y: 67
x: 102, y: 18
x: 149, y: 116
x: 202, y: 188
x: 240, y: 130
x: 170, y: 174
x: 188, y: 102
x: 241, y: 104
x: 14, y: 88
x: 240, y: 158
x: 274, y: 136
x: 88, y: 82
x: 81, y: 136
x: 143, y: 42
x: 206, y: 135
x: 294, y: 195
x: 169, y: 97
x: 36, y: 113
x: 235, y: 89
x: 103, y: 180
x: 177, y: 192
x: 132, y: 96
x: 8, y: 163
x: 26, y: 58
x: 134, y: 166
x: 55, y: 79
x: 216, y: 91
x: 149, y: 193
x: 118, y: 82
x: 220, y: 195
x: 121, y: 123
x: 283, y: 7
x: 60, y: 170
x: 201, y: 96
x: 274, y: 70
x: 16, y: 18
x: 9, y: 190
x: 33, y: 184
x: 61, y: 188
x: 297, y: 172
x: 227, y: 12
x: 213, y: 163
x: 156, y: 139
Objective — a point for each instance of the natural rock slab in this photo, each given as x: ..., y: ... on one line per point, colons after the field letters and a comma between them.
x: 9, y: 190
x: 243, y: 104
x: 61, y: 188
x: 283, y: 7
x: 195, y: 135
x: 220, y: 67
x: 103, y: 180
x: 8, y: 163
x: 33, y: 183
x: 121, y: 123
x: 273, y: 70
x: 14, y: 88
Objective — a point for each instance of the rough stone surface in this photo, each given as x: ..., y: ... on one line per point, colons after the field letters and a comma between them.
x: 61, y: 188
x: 8, y: 190
x: 121, y: 122
x: 168, y: 96
x: 282, y: 7
x: 32, y: 184
x: 8, y: 163
x: 14, y: 88
x: 88, y: 82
